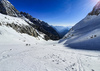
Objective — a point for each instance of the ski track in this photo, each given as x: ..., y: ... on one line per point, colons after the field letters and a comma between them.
x: 45, y: 57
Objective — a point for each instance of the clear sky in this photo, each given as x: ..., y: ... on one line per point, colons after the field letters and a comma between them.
x: 56, y: 12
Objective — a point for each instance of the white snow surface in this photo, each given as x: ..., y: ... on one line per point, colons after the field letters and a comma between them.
x: 4, y: 19
x: 21, y: 52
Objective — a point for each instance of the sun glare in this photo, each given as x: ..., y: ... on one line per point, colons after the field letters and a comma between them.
x: 95, y: 1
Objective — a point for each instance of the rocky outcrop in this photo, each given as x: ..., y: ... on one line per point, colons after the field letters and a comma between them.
x: 24, y: 29
x: 42, y: 27
x: 7, y: 8
x: 96, y: 9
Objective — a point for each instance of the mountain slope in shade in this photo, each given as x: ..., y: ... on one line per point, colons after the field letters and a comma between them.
x: 85, y: 34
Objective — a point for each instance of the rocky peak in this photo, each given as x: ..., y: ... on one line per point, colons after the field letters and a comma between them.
x: 96, y: 9
x: 7, y: 8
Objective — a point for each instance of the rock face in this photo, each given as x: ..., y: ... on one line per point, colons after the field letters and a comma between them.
x: 24, y: 29
x: 96, y: 9
x: 7, y: 8
x: 42, y: 27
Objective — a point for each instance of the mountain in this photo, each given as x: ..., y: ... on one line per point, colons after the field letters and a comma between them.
x: 61, y: 30
x: 22, y: 52
x: 7, y: 8
x: 42, y: 27
x: 96, y: 9
x: 49, y: 33
x: 23, y: 48
x: 17, y: 24
x: 85, y: 34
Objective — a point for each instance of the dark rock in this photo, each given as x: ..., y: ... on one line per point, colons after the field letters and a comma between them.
x: 96, y: 9
x: 7, y: 8
x: 24, y: 29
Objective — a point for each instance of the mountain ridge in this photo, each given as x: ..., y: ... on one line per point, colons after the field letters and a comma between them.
x: 85, y: 34
x: 8, y: 9
x: 96, y: 9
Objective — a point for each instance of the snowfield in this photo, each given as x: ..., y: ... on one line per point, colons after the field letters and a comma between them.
x: 21, y: 52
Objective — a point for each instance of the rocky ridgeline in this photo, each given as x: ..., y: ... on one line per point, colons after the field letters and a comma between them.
x: 42, y: 26
x: 96, y: 9
x: 23, y: 29
x: 8, y: 9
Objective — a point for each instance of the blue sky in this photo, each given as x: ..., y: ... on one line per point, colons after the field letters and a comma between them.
x: 56, y: 12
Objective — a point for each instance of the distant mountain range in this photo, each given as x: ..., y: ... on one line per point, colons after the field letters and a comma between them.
x: 62, y: 30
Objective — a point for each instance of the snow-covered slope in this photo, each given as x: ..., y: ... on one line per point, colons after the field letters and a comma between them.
x: 8, y: 9
x: 18, y: 24
x: 21, y: 52
x: 4, y: 19
x: 85, y: 34
x: 62, y: 30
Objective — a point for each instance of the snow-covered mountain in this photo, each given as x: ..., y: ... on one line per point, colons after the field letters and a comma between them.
x: 62, y: 30
x: 8, y: 9
x: 85, y: 34
x: 20, y: 51
x: 42, y: 26
x: 17, y: 24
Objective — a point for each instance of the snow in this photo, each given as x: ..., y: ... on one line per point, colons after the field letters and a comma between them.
x: 85, y: 34
x: 4, y: 19
x: 21, y: 52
